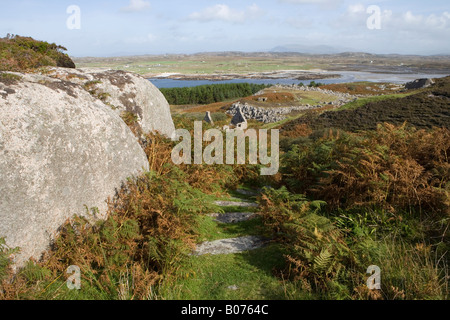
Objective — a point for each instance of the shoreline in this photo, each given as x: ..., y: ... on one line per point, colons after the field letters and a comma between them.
x: 273, y: 75
x: 302, y: 75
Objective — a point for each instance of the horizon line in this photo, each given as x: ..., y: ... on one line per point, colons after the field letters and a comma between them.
x: 259, y: 52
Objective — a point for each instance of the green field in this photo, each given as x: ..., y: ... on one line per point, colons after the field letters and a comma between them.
x: 244, y: 63
x: 198, y: 65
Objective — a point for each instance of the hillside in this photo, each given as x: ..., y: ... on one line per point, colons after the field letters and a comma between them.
x: 23, y: 53
x: 426, y: 109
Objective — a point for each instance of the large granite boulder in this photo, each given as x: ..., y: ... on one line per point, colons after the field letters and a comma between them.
x: 62, y: 153
x: 124, y: 92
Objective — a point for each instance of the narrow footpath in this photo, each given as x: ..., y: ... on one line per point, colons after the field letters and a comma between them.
x: 233, y: 261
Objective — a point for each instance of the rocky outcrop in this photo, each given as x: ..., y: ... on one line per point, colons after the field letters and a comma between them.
x: 266, y: 115
x: 124, y: 92
x: 62, y: 152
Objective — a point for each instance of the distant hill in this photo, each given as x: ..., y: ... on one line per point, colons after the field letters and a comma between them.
x: 23, y: 53
x: 320, y: 49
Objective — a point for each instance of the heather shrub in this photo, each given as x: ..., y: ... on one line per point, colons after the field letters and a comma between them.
x: 24, y: 53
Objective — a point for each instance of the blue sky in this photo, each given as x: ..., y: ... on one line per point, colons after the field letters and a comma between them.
x: 126, y: 27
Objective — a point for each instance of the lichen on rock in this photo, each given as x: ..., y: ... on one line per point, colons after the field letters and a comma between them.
x: 61, y: 151
x: 124, y: 92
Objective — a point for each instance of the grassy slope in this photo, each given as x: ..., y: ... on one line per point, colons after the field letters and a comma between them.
x: 427, y: 108
x: 364, y: 101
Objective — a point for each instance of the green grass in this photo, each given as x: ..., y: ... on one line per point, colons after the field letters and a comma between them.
x: 313, y: 97
x: 363, y: 101
x: 244, y: 197
x: 208, y: 277
x: 210, y: 230
x: 279, y: 124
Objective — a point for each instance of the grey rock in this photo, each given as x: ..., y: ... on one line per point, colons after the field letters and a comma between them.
x: 228, y: 246
x: 266, y: 115
x: 232, y: 217
x: 246, y: 192
x: 61, y: 151
x: 124, y: 91
x: 236, y: 204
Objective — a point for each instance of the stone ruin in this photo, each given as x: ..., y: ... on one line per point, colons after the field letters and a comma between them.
x: 419, y: 84
x: 239, y: 121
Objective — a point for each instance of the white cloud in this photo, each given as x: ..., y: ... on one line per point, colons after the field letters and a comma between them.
x: 136, y: 5
x: 355, y: 18
x: 410, y: 18
x: 356, y: 9
x: 400, y: 31
x: 431, y: 24
x: 356, y: 15
x: 222, y: 12
x: 311, y: 1
x: 325, y: 4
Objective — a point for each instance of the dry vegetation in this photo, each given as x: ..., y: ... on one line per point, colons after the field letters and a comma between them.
x: 24, y: 53
x: 392, y: 168
x: 349, y: 200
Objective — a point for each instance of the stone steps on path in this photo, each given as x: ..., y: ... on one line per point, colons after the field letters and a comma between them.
x: 247, y: 192
x: 232, y: 245
x: 236, y: 204
x: 232, y: 217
